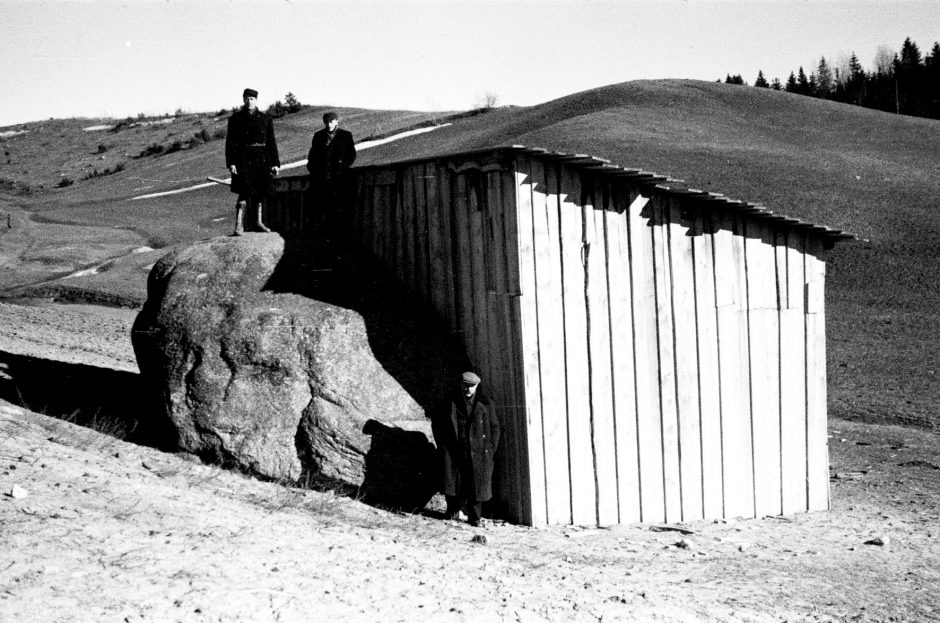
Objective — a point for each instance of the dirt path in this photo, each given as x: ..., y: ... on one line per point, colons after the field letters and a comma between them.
x: 96, y: 529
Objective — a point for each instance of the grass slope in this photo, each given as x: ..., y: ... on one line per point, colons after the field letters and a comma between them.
x: 46, y: 152
x: 868, y: 172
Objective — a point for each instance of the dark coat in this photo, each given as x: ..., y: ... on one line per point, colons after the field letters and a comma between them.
x: 253, y: 164
x: 483, y: 440
x: 328, y: 160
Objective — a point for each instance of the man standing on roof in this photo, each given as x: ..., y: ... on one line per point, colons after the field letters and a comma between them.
x: 332, y: 152
x: 467, y: 433
x: 251, y: 156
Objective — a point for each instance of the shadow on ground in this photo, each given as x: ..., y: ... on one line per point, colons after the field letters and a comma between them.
x: 105, y: 400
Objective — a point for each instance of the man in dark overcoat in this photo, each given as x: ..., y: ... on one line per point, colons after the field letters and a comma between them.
x: 251, y: 157
x: 467, y: 433
x: 332, y: 152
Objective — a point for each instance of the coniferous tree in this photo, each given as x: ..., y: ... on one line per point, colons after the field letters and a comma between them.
x: 906, y: 82
x: 802, y: 82
x: 932, y: 80
x: 855, y: 84
x: 824, y: 80
x: 909, y: 76
x: 292, y: 103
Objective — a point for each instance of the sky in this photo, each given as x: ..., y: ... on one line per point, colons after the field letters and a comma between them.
x: 112, y: 58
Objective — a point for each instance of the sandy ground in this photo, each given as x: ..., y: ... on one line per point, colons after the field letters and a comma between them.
x: 97, y: 529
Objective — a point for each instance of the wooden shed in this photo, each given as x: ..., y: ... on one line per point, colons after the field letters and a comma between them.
x: 656, y: 353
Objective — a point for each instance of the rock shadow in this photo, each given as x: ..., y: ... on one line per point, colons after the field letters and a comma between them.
x: 401, y: 468
x: 102, y: 399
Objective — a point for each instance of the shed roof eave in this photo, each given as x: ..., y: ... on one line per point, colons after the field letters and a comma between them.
x: 654, y: 181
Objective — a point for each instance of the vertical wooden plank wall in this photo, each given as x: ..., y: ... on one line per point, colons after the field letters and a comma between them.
x: 597, y: 299
x: 641, y: 224
x: 764, y: 365
x: 703, y: 389
x: 791, y: 280
x: 731, y: 297
x: 817, y: 440
x: 543, y: 180
x: 708, y: 363
x: 689, y: 452
x: 580, y: 453
x: 622, y: 364
x: 452, y: 239
x: 651, y: 361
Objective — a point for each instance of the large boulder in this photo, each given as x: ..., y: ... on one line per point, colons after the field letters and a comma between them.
x: 278, y: 384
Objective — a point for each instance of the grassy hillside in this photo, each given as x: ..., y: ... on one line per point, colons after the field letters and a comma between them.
x: 874, y: 174
x: 871, y: 173
x: 47, y: 152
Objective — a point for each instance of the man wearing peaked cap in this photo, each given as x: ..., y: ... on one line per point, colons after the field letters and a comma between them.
x: 332, y: 152
x: 251, y: 156
x: 467, y: 433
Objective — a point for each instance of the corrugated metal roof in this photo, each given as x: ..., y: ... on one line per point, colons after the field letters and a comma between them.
x: 660, y: 183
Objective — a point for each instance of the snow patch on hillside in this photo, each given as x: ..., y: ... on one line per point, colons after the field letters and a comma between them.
x: 299, y: 163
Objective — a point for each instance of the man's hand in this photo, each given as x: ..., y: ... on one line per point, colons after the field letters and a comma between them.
x: 232, y: 170
x: 273, y: 171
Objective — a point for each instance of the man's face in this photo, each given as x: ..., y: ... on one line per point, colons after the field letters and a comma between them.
x: 469, y: 390
x: 250, y: 102
x: 331, y: 125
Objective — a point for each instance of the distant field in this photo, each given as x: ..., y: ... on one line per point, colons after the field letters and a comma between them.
x: 864, y: 171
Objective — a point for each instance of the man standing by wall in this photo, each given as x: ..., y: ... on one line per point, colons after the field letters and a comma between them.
x: 467, y: 433
x: 251, y: 156
x: 332, y: 152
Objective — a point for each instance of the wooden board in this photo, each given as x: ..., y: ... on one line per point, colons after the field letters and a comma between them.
x: 646, y: 357
x: 817, y: 439
x: 665, y: 335
x: 422, y: 258
x: 528, y: 301
x: 621, y: 352
x: 682, y: 269
x: 392, y: 226
x: 551, y: 340
x: 734, y: 390
x: 408, y: 228
x: 601, y: 382
x: 764, y: 347
x: 379, y: 220
x: 517, y: 402
x: 480, y: 355
x: 436, y: 291
x: 709, y: 382
x: 446, y: 200
x: 792, y: 373
x: 583, y: 494
x: 463, y: 265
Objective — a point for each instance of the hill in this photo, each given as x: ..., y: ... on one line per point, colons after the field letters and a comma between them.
x: 870, y: 173
x: 867, y: 172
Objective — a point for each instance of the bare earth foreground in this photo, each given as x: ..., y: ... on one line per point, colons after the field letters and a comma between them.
x: 97, y: 529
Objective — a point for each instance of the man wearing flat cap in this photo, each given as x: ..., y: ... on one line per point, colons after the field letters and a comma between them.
x: 332, y: 152
x: 251, y: 156
x: 467, y: 433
